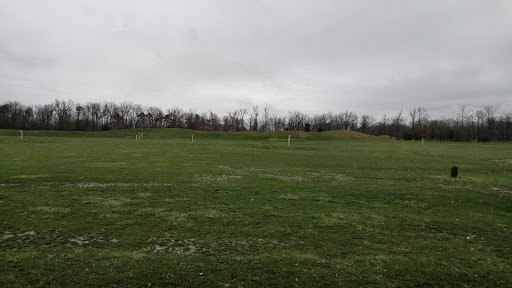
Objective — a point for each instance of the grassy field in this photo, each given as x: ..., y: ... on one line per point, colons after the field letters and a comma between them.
x: 101, y: 209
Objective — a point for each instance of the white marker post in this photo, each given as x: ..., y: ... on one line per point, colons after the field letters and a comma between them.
x: 192, y: 138
x: 422, y: 141
x: 21, y: 131
x: 289, y: 136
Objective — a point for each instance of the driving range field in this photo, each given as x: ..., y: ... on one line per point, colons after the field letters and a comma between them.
x: 333, y: 209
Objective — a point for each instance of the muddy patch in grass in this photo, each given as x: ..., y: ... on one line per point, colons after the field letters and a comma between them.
x: 304, y: 176
x: 168, y: 244
x: 225, y: 167
x: 99, y: 185
x: 79, y: 240
x: 217, y: 178
x: 29, y: 176
x: 89, y: 240
x: 286, y: 176
x: 8, y: 234
x: 16, y: 239
x: 500, y: 189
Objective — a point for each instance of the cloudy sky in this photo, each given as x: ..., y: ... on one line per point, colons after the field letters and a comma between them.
x: 313, y: 56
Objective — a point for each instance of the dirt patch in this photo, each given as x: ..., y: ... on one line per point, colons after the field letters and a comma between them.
x: 188, y: 246
x: 80, y: 240
x: 29, y: 176
x: 285, y: 176
x: 217, y: 178
x: 99, y: 185
x: 225, y: 167
x: 500, y: 189
x: 305, y: 176
x: 8, y: 234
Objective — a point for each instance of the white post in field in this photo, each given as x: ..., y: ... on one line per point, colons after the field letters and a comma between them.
x: 422, y: 141
x: 21, y: 131
x: 289, y: 136
x: 192, y: 138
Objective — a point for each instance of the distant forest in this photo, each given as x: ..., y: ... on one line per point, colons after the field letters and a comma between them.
x: 468, y: 125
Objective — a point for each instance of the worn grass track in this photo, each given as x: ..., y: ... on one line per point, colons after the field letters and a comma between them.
x: 339, y: 209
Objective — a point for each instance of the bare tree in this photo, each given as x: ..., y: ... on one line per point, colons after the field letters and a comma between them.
x: 348, y: 120
x: 253, y: 119
x: 242, y: 112
x: 490, y: 122
x: 419, y: 119
x: 266, y: 115
x: 383, y: 128
x: 319, y: 122
x: 366, y: 123
x: 296, y: 120
x: 398, y: 122
x: 95, y: 113
x: 480, y: 120
x: 463, y: 115
x: 413, y: 113
x: 422, y: 116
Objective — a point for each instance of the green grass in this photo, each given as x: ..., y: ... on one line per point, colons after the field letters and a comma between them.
x: 244, y: 209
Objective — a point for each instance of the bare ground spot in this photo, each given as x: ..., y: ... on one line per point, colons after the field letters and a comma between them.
x: 29, y: 176
x: 286, y: 176
x: 217, y: 178
x: 500, y: 189
x: 188, y: 246
x: 225, y: 167
x: 79, y: 240
x: 449, y: 183
x: 54, y: 238
x: 99, y: 185
x: 305, y: 176
x: 83, y: 240
x: 8, y: 234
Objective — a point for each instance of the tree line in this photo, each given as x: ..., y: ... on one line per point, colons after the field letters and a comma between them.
x: 468, y: 125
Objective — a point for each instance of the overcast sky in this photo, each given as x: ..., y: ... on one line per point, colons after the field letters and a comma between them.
x: 313, y: 56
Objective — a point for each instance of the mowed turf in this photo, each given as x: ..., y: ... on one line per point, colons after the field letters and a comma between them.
x: 101, y: 209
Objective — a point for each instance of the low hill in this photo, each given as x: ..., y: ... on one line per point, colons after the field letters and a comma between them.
x: 152, y: 133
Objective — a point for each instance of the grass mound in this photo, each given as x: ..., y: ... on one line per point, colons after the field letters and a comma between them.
x: 157, y: 133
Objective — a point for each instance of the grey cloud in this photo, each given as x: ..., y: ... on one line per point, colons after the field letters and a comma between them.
x: 313, y: 56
